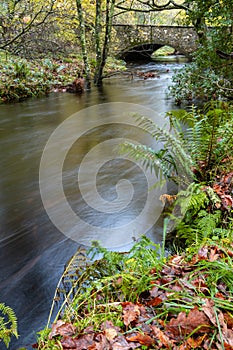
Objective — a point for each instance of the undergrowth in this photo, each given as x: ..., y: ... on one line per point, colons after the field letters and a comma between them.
x: 196, y: 154
x: 141, y: 297
x: 21, y: 78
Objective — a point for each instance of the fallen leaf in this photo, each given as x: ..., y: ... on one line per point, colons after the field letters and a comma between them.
x: 184, y: 325
x: 213, y: 256
x: 62, y: 328
x: 229, y: 320
x: 209, y: 311
x: 143, y: 339
x: 101, y: 343
x: 168, y: 343
x: 130, y: 312
x: 68, y: 343
x: 219, y: 295
x: 155, y: 301
x: 176, y: 259
x: 228, y: 339
x: 154, y: 291
x: 196, y: 343
x: 110, y: 333
x: 218, y: 189
x: 227, y: 201
x: 86, y: 341
x: 120, y: 343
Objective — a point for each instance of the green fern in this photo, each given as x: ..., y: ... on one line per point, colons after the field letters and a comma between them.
x: 8, y: 324
x: 173, y: 161
x: 195, y: 153
x: 206, y: 223
x: 195, y: 223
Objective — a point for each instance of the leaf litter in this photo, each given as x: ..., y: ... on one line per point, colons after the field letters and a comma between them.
x: 187, y: 304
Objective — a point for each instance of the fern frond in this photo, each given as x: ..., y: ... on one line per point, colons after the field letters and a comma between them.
x: 161, y: 163
x: 8, y: 324
x: 174, y: 145
x: 207, y: 222
x: 192, y: 199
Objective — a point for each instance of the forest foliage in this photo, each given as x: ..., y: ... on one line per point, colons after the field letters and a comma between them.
x: 37, y: 28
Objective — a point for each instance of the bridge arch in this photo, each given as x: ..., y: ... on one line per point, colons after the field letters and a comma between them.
x: 135, y: 42
x: 140, y: 52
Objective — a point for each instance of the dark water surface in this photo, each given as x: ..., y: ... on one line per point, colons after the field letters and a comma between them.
x: 32, y: 250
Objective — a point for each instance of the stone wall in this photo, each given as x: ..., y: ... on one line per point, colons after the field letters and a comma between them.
x: 129, y: 37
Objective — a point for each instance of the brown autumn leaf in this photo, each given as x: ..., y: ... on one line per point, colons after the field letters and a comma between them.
x: 101, y: 343
x: 163, y: 338
x: 227, y: 201
x: 218, y: 189
x: 62, y: 328
x: 219, y: 295
x: 229, y: 320
x: 120, y: 343
x: 86, y: 341
x: 154, y: 302
x: 230, y: 253
x: 226, y: 179
x: 131, y: 312
x: 228, y: 337
x: 213, y: 256
x: 68, y: 343
x: 184, y: 325
x: 110, y: 333
x: 176, y: 259
x: 143, y: 339
x: 196, y: 343
x: 200, y: 284
x: 209, y: 311
x: 109, y: 324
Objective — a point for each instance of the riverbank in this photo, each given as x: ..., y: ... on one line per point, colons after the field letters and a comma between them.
x: 145, y: 300
x: 21, y: 78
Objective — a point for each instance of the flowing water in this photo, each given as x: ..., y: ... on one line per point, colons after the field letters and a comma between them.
x: 32, y: 250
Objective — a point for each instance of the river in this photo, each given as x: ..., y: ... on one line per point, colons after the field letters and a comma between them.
x: 33, y: 251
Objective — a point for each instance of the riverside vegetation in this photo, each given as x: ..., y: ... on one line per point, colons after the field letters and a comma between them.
x: 21, y: 78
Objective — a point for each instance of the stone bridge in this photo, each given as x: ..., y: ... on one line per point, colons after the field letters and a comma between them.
x: 135, y: 42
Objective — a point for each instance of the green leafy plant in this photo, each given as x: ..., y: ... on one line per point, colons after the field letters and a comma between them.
x: 21, y: 69
x: 8, y: 324
x: 196, y: 154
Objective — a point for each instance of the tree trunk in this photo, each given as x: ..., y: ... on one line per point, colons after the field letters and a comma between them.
x: 97, y: 40
x: 110, y: 5
x: 83, y: 43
